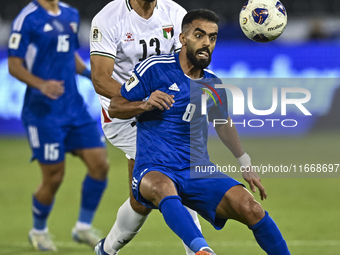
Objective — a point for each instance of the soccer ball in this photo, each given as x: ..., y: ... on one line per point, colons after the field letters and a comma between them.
x: 263, y: 20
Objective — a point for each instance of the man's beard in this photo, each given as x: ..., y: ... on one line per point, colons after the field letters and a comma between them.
x: 149, y: 1
x: 202, y: 63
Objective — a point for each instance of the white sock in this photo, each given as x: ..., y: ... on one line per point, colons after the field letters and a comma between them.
x: 127, y: 225
x: 197, y: 222
x: 82, y: 226
x: 40, y: 231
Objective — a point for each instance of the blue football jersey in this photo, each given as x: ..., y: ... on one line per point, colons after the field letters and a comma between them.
x: 175, y: 138
x: 47, y: 42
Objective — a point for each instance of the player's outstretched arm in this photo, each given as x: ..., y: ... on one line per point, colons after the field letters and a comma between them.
x: 122, y: 108
x: 101, y: 71
x: 51, y: 88
x: 229, y: 136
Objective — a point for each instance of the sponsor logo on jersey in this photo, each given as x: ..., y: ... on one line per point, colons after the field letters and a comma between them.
x: 48, y: 27
x: 174, y: 87
x: 74, y: 27
x: 96, y: 35
x: 131, y: 83
x: 168, y: 31
x: 129, y: 37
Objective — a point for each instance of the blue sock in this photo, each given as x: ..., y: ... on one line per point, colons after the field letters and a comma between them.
x: 269, y: 237
x: 91, y: 195
x: 40, y: 214
x: 180, y: 221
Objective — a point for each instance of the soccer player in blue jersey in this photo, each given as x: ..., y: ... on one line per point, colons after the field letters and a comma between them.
x: 165, y: 91
x: 124, y: 33
x: 42, y: 54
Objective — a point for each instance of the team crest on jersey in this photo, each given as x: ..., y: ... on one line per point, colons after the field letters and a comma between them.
x: 132, y: 82
x: 129, y: 37
x: 96, y: 35
x: 168, y: 31
x: 74, y: 27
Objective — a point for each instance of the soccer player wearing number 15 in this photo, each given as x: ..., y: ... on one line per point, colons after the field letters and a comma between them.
x: 42, y: 54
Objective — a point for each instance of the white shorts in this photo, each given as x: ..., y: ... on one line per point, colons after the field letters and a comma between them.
x: 122, y: 134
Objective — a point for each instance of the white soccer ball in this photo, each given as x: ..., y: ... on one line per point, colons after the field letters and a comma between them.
x: 263, y: 20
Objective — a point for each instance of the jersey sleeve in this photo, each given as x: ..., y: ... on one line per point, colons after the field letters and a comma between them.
x: 178, y: 16
x: 139, y: 86
x: 20, y: 38
x: 103, y: 37
x: 219, y: 111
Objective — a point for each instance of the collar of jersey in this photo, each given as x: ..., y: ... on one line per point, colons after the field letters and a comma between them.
x: 128, y: 5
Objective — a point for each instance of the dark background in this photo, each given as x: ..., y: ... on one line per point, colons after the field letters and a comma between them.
x: 227, y: 10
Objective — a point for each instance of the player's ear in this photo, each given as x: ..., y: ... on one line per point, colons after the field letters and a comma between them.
x: 182, y: 39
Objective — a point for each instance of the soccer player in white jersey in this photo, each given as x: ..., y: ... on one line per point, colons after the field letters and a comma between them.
x: 124, y: 33
x: 42, y: 54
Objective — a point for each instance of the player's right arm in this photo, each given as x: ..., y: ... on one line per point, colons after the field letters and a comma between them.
x: 139, y: 94
x: 101, y: 71
x: 23, y: 30
x: 122, y: 108
x: 50, y: 88
x: 103, y: 50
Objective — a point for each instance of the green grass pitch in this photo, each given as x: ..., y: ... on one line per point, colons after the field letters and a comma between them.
x: 307, y: 210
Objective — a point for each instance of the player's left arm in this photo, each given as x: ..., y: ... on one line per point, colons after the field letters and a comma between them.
x: 81, y: 68
x: 229, y: 136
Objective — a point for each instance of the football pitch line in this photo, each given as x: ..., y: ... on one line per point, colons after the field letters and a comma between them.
x: 212, y: 243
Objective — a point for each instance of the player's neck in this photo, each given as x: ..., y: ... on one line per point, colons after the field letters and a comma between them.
x: 143, y: 8
x: 188, y: 68
x: 50, y: 5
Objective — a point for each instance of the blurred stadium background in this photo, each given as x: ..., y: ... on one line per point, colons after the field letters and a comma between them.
x: 306, y: 209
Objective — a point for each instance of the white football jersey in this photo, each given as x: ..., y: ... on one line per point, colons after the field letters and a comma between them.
x: 120, y: 33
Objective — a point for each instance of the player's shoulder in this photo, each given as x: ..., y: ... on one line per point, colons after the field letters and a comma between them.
x: 27, y: 14
x: 113, y: 12
x: 68, y: 8
x: 170, y: 6
x: 209, y: 73
x: 212, y: 78
x: 157, y: 62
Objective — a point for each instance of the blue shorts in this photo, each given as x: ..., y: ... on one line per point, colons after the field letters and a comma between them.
x: 200, y: 194
x: 49, y: 144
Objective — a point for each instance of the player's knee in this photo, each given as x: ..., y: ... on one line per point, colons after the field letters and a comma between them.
x: 103, y: 166
x: 100, y: 168
x: 159, y: 191
x: 55, y: 181
x: 138, y: 207
x: 253, y: 212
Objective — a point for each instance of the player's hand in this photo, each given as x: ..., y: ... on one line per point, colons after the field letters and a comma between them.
x: 159, y: 100
x: 254, y: 181
x: 52, y: 89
